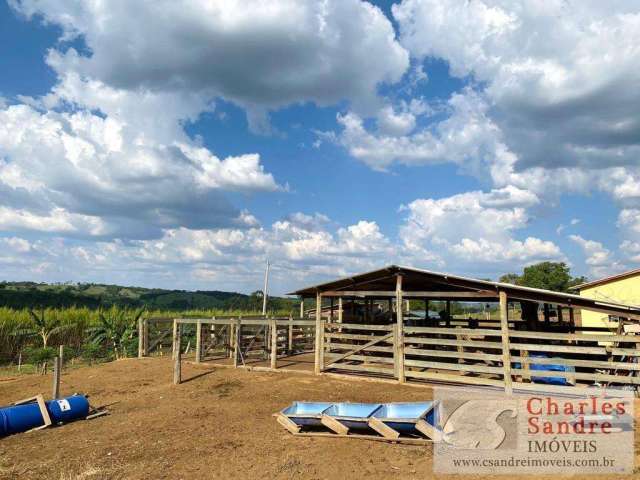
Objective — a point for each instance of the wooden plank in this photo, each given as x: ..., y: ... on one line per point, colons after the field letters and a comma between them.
x: 237, y: 338
x: 559, y: 348
x: 382, y: 428
x: 452, y: 343
x: 140, y: 337
x: 358, y: 326
x: 353, y: 336
x: 42, y: 406
x: 467, y: 367
x: 287, y: 423
x: 274, y: 344
x: 597, y: 377
x: 526, y: 360
x: 198, y: 342
x: 319, y: 341
x: 333, y: 424
x: 367, y: 359
x: 506, y: 353
x: 399, y: 330
x: 349, y: 346
x: 56, y: 378
x: 445, y: 377
x: 579, y: 337
x: 625, y: 351
x: 411, y: 294
x: 177, y: 354
x: 560, y: 389
x: 452, y: 354
x: 375, y: 438
x: 173, y: 343
x: 290, y: 336
x: 361, y: 368
x: 429, y: 431
x: 359, y: 348
x: 454, y: 331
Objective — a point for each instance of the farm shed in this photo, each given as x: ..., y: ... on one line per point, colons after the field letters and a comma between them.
x: 528, y: 340
x: 620, y: 288
x: 517, y: 350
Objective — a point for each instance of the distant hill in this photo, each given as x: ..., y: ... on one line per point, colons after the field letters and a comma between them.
x: 93, y: 295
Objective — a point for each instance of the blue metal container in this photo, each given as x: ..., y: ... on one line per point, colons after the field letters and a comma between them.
x: 306, y: 413
x: 20, y: 418
x: 403, y: 417
x: 352, y: 415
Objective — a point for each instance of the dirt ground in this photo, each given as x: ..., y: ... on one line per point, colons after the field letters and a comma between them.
x: 218, y: 424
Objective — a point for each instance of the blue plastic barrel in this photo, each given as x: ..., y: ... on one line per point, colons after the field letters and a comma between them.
x: 20, y: 418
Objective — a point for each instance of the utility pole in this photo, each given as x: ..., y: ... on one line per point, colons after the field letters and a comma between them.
x: 266, y: 287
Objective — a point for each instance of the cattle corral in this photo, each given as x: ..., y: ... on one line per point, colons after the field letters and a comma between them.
x: 379, y: 343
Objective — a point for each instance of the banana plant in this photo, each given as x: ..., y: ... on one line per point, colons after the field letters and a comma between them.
x: 115, y: 329
x: 47, y: 323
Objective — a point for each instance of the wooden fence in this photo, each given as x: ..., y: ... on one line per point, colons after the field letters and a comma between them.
x: 483, y: 356
x: 494, y: 354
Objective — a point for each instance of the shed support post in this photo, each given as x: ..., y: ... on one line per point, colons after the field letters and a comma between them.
x: 340, y: 313
x: 319, y: 336
x: 198, y: 341
x: 506, y: 354
x: 398, y: 351
x: 302, y: 308
x: 274, y: 343
x: 177, y: 354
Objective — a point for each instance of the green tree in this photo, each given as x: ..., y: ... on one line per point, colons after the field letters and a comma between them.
x: 547, y: 275
x: 512, y: 278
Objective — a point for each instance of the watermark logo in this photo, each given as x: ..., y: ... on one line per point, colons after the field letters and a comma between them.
x: 534, y: 433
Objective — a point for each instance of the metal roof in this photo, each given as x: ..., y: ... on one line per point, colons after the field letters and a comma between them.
x: 384, y: 279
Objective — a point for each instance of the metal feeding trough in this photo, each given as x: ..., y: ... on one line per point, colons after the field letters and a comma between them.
x: 403, y: 417
x: 352, y: 415
x: 306, y: 414
x: 386, y: 421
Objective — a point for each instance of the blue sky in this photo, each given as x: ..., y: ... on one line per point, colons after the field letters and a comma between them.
x: 181, y: 153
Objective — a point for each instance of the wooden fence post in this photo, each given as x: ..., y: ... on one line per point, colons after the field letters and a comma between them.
x: 398, y: 351
x: 140, y: 337
x: 173, y: 345
x: 318, y: 342
x: 56, y: 377
x: 61, y: 355
x: 274, y: 343
x: 177, y: 354
x: 145, y: 342
x: 290, y: 336
x: 236, y: 341
x: 506, y: 354
x: 198, y: 341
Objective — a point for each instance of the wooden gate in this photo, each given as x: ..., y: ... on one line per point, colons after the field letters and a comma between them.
x: 359, y: 348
